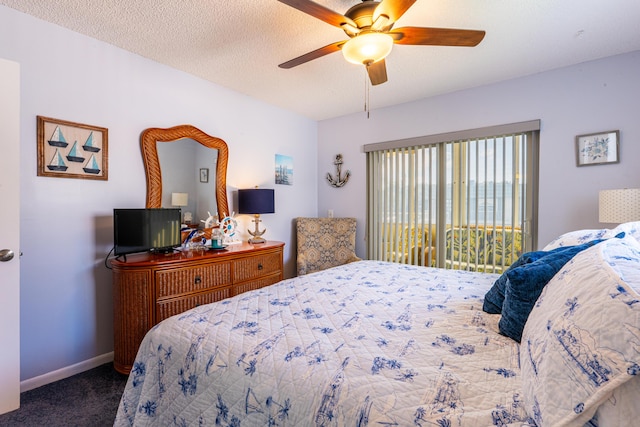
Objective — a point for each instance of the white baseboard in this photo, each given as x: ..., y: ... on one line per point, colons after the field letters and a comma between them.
x: 66, y: 372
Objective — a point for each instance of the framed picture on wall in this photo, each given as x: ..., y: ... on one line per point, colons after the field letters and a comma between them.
x: 204, y: 174
x: 598, y: 148
x: 284, y: 169
x: 72, y: 150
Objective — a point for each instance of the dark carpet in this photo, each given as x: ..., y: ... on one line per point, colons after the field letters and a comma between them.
x: 87, y: 399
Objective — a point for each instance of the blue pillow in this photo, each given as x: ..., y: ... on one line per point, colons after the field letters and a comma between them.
x: 525, y: 284
x: 494, y: 298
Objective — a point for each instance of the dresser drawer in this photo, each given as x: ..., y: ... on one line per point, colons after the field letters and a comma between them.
x: 169, y: 307
x: 179, y: 281
x: 256, y: 266
x: 254, y: 284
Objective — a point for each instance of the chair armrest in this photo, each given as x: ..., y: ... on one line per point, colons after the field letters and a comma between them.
x: 422, y: 255
x: 353, y: 258
x: 301, y: 265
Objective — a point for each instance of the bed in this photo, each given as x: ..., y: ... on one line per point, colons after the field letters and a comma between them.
x: 382, y: 344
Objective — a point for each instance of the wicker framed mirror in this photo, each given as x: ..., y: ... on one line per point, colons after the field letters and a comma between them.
x: 153, y: 137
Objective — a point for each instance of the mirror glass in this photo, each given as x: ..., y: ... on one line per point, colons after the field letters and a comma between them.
x: 188, y: 168
x: 183, y: 160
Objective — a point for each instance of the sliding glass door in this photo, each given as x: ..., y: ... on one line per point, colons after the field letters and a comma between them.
x: 463, y: 203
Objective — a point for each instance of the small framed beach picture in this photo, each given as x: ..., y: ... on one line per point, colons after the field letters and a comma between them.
x: 284, y: 169
x: 598, y: 148
x: 72, y: 150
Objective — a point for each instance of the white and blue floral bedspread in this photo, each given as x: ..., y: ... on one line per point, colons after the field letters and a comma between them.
x: 366, y: 344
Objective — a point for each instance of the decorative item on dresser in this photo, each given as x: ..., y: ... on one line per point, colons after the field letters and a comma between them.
x: 148, y: 288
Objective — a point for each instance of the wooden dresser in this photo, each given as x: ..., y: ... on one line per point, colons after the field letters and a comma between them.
x: 148, y: 288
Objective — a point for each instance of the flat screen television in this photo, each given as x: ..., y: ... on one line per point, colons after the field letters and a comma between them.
x: 144, y: 230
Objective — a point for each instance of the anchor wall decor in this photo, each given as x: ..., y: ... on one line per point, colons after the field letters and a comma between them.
x: 339, y: 181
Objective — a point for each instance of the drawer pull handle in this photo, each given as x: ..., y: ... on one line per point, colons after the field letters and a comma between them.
x: 198, y: 280
x: 259, y: 266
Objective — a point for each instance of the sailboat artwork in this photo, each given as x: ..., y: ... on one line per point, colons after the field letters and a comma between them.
x: 92, y: 166
x: 74, y: 155
x: 72, y: 150
x: 89, y: 144
x: 57, y: 163
x: 57, y: 138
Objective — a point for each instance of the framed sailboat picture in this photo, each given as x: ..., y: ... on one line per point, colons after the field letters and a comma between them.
x: 72, y: 150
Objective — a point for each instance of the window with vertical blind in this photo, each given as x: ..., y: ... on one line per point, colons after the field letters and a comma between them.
x: 462, y: 200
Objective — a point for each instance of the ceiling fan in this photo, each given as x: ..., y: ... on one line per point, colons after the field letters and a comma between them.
x: 369, y: 27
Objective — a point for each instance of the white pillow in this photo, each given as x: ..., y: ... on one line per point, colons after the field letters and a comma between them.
x: 630, y: 228
x: 622, y: 407
x: 578, y: 237
x: 581, y: 341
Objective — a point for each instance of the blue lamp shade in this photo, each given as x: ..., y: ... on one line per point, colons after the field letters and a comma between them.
x: 256, y: 201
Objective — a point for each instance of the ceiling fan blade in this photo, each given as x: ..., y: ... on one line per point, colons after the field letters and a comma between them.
x: 436, y: 36
x: 394, y: 9
x: 377, y: 72
x: 314, y: 54
x: 318, y: 11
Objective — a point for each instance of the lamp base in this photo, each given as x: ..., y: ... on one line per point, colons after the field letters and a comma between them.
x: 257, y: 234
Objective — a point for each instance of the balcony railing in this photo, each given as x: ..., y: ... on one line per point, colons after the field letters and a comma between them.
x: 482, y: 248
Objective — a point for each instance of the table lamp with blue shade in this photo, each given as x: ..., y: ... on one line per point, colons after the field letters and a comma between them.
x: 256, y: 201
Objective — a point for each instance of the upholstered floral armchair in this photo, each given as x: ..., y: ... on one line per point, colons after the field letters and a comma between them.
x: 325, y: 242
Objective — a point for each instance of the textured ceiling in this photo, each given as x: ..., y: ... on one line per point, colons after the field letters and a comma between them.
x: 239, y: 44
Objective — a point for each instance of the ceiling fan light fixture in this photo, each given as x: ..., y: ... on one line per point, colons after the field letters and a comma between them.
x: 367, y: 48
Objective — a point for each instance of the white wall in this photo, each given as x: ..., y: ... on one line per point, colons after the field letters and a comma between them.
x: 596, y: 96
x: 66, y: 292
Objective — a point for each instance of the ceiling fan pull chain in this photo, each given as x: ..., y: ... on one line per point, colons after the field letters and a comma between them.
x: 367, y: 95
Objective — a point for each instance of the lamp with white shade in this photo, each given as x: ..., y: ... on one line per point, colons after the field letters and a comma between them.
x: 181, y: 200
x: 619, y: 206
